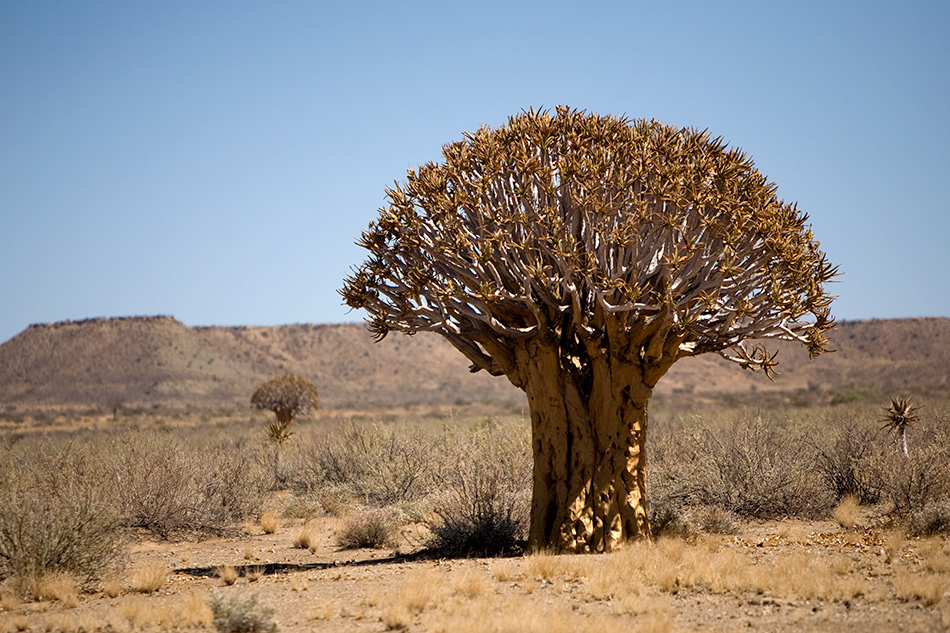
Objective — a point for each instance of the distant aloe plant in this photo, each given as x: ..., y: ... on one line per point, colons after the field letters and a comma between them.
x: 901, y: 415
x: 287, y: 396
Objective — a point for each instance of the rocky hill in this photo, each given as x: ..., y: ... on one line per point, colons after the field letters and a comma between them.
x: 159, y: 362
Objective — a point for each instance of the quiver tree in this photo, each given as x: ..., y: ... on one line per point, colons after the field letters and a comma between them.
x: 900, y: 416
x: 581, y: 256
x: 287, y: 396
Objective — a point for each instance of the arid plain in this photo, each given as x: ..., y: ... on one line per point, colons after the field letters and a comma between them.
x: 777, y: 545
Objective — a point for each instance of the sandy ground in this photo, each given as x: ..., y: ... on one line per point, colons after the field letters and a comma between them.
x: 778, y: 576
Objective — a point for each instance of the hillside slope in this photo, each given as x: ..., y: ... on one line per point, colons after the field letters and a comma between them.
x: 152, y: 361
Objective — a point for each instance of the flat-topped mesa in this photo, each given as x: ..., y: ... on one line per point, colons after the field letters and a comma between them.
x: 159, y: 318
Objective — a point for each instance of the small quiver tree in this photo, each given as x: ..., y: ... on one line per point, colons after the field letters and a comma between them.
x: 900, y: 416
x: 287, y: 396
x: 581, y: 256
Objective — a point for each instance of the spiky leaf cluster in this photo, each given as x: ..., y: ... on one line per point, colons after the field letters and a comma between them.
x: 287, y: 396
x: 596, y: 229
x: 901, y: 414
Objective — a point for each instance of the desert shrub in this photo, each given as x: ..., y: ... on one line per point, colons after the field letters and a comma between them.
x: 483, y: 503
x: 850, y: 461
x: 234, y: 614
x: 750, y: 466
x: 374, y: 528
x: 762, y: 470
x: 918, y: 484
x: 378, y: 465
x: 55, y: 515
x: 675, y: 475
x: 167, y: 486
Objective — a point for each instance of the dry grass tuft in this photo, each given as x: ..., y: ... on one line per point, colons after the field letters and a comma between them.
x: 893, y: 542
x: 270, y: 523
x: 307, y: 537
x: 504, y: 570
x: 228, y: 575
x: 323, y: 611
x: 194, y: 610
x: 928, y: 588
x: 846, y: 513
x: 546, y: 567
x: 471, y: 583
x: 395, y: 617
x: 191, y: 610
x: 419, y: 589
x: 935, y: 555
x: 53, y: 586
x: 150, y: 578
x: 9, y: 600
x: 495, y: 614
x: 368, y: 528
x: 113, y: 587
x: 255, y: 573
x: 234, y: 614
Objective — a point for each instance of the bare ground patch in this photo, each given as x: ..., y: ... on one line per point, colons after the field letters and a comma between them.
x: 772, y: 576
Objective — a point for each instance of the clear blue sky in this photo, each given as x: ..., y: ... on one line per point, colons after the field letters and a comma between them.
x: 215, y: 161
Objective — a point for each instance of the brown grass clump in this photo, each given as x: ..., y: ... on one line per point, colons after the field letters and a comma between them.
x: 254, y: 573
x: 934, y: 555
x: 420, y: 589
x: 228, y: 575
x: 270, y: 523
x: 846, y: 513
x: 307, y: 537
x: 495, y: 614
x: 470, y: 583
x: 9, y: 600
x: 53, y: 586
x: 150, y: 578
x: 190, y: 610
x: 893, y: 541
x: 928, y: 588
x: 112, y: 587
x: 369, y: 528
x: 395, y: 617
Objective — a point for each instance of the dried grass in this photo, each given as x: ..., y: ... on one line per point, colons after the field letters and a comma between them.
x: 270, y: 523
x: 236, y: 614
x: 228, y: 575
x: 471, y: 583
x: 57, y: 586
x: 846, y: 512
x: 420, y: 589
x: 113, y: 587
x: 928, y: 588
x: 149, y: 578
x: 372, y: 528
x: 307, y: 537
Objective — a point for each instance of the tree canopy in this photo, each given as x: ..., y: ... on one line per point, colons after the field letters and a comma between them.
x: 598, y: 227
x: 287, y: 396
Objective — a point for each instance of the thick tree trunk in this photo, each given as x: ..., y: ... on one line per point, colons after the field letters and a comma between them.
x: 589, y: 437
